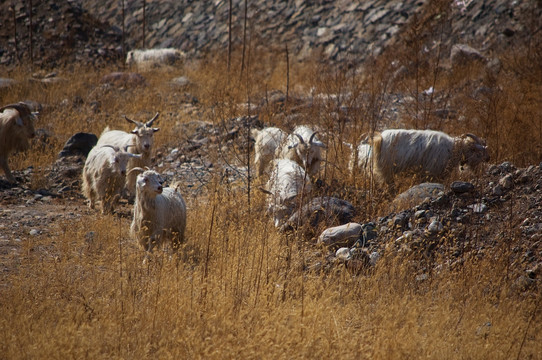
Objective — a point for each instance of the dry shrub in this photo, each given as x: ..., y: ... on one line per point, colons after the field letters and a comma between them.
x: 241, y: 291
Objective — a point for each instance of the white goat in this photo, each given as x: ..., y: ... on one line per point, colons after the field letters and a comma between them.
x: 287, y: 181
x: 431, y: 153
x: 153, y: 57
x: 104, y: 176
x: 159, y: 213
x: 303, y: 147
x: 16, y: 127
x: 266, y: 141
x: 139, y: 141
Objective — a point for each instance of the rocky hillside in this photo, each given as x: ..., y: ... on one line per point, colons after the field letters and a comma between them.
x: 339, y: 31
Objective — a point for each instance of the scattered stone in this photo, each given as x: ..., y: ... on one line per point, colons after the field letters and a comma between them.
x: 180, y: 81
x: 434, y: 227
x: 497, y: 190
x: 478, y: 208
x: 6, y: 82
x: 343, y: 254
x: 507, y: 182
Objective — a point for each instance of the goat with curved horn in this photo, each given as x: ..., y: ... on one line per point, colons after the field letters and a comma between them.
x: 303, y: 147
x: 431, y: 154
x: 140, y: 140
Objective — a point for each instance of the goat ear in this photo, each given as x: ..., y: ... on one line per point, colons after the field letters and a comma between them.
x: 155, y: 129
x: 19, y: 121
x: 265, y: 191
x: 319, y: 144
x: 134, y: 131
x: 138, y: 169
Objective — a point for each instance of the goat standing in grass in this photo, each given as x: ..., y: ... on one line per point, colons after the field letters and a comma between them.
x: 159, y: 213
x: 104, y: 175
x: 16, y: 128
x: 429, y: 153
x: 288, y: 180
x: 266, y: 141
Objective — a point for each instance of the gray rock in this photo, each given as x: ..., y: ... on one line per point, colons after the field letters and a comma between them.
x: 180, y: 81
x: 79, y: 144
x: 401, y: 220
x: 507, y: 182
x: 343, y: 254
x: 464, y: 55
x: 478, y: 208
x: 417, y: 194
x: 326, y: 209
x: 460, y: 187
x: 497, y: 190
x: 434, y: 227
x: 7, y: 82
x: 343, y: 235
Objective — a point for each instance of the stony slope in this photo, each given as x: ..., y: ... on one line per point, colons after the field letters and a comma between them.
x: 83, y: 31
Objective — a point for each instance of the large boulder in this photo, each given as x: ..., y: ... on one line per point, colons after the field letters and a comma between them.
x: 79, y: 145
x: 416, y: 195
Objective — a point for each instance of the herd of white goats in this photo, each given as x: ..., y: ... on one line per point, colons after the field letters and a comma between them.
x: 120, y: 163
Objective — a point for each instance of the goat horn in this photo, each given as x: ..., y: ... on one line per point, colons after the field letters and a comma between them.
x: 312, y: 137
x: 474, y: 137
x: 111, y: 146
x: 135, y: 169
x: 149, y: 123
x: 127, y: 146
x: 300, y: 138
x: 21, y: 107
x: 265, y: 191
x: 139, y: 124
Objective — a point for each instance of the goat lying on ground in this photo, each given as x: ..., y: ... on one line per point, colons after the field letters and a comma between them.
x: 287, y: 181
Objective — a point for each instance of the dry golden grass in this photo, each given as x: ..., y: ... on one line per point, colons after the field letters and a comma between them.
x: 238, y: 288
x: 249, y: 297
